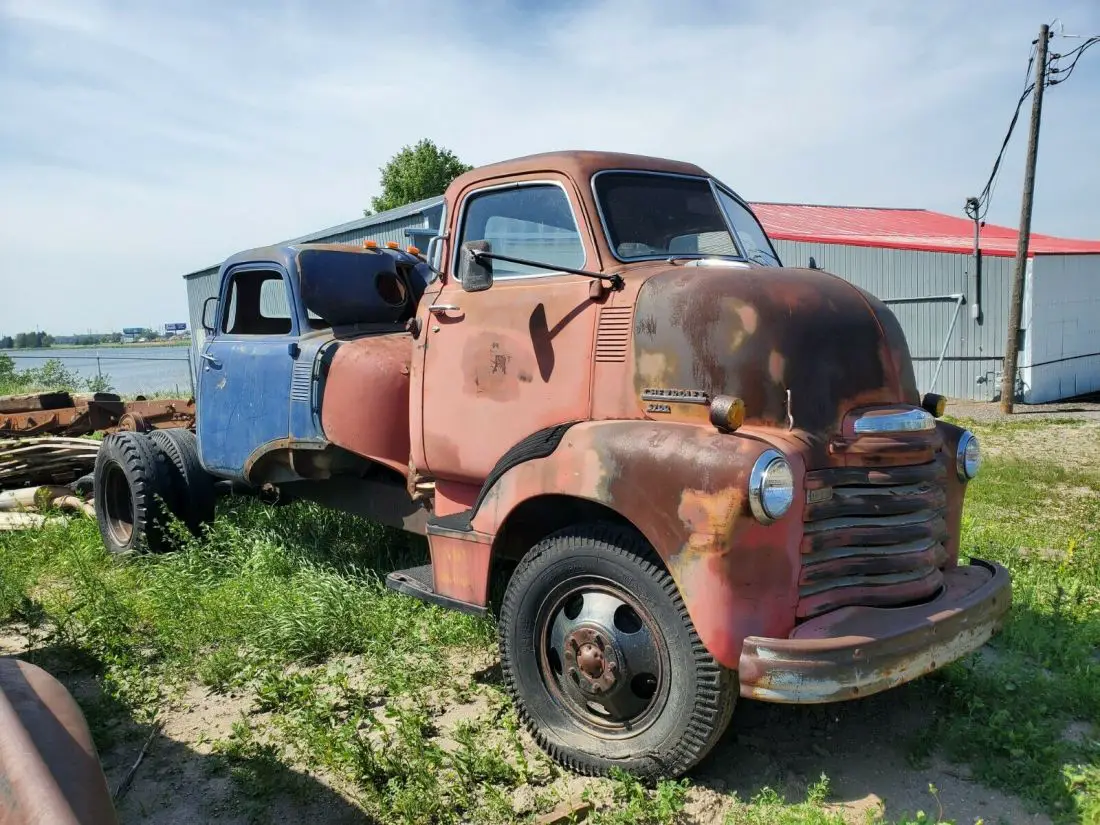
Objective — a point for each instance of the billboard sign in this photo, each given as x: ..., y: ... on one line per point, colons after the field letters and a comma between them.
x: 133, y: 330
x: 175, y: 327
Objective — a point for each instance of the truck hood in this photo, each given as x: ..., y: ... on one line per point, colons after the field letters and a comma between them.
x: 759, y: 332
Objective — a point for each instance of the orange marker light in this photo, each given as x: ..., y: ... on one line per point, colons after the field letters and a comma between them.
x: 370, y: 244
x: 393, y: 244
x: 412, y: 250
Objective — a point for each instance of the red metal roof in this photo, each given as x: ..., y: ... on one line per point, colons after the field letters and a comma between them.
x: 903, y: 229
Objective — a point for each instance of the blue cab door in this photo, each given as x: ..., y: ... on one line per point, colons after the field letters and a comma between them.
x: 245, y: 370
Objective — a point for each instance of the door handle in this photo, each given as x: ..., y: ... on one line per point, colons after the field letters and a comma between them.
x: 439, y: 309
x: 209, y: 358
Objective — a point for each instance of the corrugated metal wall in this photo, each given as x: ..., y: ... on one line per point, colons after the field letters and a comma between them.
x: 971, y: 367
x: 1061, y: 355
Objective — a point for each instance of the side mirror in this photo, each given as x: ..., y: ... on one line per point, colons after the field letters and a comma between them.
x: 209, y: 312
x: 476, y: 274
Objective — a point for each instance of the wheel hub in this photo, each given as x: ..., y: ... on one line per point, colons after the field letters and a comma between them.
x: 603, y: 656
x: 594, y: 660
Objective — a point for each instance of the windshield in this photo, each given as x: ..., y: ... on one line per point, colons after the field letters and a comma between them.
x: 650, y: 215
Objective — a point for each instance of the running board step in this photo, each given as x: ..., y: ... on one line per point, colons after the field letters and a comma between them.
x: 418, y: 583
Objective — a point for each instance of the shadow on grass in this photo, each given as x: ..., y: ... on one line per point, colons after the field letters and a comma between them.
x: 243, y: 781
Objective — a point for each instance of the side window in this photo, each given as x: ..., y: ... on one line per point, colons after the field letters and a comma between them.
x: 532, y: 222
x: 257, y: 304
x: 749, y: 232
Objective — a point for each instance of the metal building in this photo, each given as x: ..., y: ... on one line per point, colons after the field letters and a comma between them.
x: 953, y: 310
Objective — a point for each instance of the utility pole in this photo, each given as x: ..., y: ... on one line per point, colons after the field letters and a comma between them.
x: 1015, y: 308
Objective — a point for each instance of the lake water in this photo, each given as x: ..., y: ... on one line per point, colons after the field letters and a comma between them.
x: 131, y: 369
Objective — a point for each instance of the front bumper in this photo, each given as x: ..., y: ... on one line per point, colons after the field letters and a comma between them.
x: 853, y: 652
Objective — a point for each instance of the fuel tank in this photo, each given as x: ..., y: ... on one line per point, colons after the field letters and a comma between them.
x: 365, y: 400
x: 801, y: 347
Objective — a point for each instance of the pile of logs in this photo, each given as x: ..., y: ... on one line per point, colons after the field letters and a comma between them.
x: 48, y: 460
x: 20, y: 509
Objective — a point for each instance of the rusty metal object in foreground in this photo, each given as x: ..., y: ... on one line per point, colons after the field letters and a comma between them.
x: 854, y: 652
x: 94, y: 412
x: 49, y: 770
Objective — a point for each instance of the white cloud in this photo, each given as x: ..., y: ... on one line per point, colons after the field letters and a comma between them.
x: 140, y: 141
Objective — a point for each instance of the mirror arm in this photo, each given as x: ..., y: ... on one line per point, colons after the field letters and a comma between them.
x: 615, y: 279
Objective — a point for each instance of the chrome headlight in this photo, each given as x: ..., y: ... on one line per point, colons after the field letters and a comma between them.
x: 771, y: 487
x: 968, y: 459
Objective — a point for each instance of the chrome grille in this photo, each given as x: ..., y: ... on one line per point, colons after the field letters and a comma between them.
x: 872, y: 536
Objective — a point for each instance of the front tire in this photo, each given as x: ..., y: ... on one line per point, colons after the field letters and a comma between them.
x: 603, y: 661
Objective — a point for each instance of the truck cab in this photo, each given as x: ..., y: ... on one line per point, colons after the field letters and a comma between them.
x: 714, y: 473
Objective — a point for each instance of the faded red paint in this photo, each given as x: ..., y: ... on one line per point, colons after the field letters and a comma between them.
x: 363, y: 371
x: 510, y: 361
x: 49, y: 769
x: 460, y: 566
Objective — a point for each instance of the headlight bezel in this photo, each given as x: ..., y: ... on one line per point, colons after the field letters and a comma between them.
x: 768, y: 462
x: 962, y: 464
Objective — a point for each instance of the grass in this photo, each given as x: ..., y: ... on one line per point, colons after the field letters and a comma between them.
x: 283, y: 610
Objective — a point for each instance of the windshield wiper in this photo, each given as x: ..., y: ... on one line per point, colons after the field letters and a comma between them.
x: 615, y: 280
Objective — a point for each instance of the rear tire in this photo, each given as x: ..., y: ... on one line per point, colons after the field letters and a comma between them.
x: 133, y: 485
x: 603, y: 661
x: 194, y: 493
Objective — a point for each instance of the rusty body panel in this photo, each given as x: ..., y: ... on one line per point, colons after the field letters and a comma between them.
x: 49, y: 769
x: 685, y: 490
x: 793, y: 344
x: 857, y: 651
x: 365, y: 405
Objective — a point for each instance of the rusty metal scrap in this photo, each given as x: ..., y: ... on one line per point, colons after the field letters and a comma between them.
x: 90, y: 413
x: 49, y: 770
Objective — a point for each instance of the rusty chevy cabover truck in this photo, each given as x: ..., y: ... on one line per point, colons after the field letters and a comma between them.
x: 714, y: 472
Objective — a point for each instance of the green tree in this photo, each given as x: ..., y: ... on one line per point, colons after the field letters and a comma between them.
x: 7, y: 342
x: 21, y: 341
x: 414, y: 173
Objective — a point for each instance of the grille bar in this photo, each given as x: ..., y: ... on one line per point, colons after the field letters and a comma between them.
x: 872, y: 536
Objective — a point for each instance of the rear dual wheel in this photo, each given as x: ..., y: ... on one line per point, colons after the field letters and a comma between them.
x: 140, y: 480
x: 603, y: 661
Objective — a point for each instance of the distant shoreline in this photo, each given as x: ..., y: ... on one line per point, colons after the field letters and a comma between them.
x: 184, y: 343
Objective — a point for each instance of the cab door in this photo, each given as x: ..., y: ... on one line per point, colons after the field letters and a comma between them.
x: 506, y: 362
x: 245, y: 369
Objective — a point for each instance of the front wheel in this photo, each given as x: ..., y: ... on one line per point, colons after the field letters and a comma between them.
x: 603, y: 661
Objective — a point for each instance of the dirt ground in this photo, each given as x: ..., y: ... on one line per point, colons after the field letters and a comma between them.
x: 859, y: 745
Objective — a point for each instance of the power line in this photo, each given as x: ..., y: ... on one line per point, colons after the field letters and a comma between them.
x: 978, y: 207
x: 1076, y: 55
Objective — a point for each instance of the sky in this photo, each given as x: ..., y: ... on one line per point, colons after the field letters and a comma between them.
x: 140, y: 141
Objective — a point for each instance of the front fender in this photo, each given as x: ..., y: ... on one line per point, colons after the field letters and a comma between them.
x: 685, y: 488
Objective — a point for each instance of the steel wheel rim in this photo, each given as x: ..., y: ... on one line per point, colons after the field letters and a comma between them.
x: 118, y: 506
x: 602, y: 657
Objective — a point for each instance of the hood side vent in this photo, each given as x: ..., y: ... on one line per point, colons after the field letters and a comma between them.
x: 613, y: 334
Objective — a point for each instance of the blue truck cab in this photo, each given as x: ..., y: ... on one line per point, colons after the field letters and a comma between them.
x: 262, y: 368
